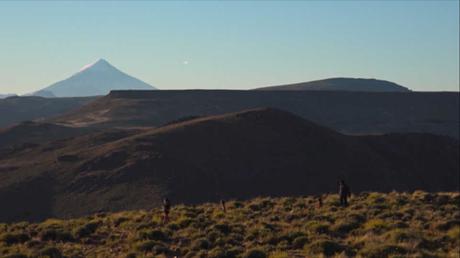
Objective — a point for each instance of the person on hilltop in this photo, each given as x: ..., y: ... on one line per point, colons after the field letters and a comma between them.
x: 320, y: 201
x: 166, y: 209
x: 344, y: 193
x: 222, y: 205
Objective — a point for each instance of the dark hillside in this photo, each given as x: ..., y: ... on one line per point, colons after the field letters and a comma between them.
x: 237, y: 155
x: 17, y: 109
x: 36, y: 132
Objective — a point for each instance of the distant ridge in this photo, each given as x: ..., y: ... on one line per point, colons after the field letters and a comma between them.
x: 16, y: 109
x: 3, y: 96
x: 94, y: 79
x: 345, y: 111
x: 342, y: 84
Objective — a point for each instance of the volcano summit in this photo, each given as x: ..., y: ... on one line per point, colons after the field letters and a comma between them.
x: 94, y: 79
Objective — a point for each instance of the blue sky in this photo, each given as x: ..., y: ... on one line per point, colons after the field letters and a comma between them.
x: 231, y: 44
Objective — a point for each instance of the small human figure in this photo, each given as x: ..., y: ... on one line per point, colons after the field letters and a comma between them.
x: 166, y: 209
x: 320, y: 201
x: 344, y: 193
x: 222, y: 205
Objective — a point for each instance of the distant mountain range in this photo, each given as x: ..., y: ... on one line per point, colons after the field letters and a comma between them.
x: 344, y: 111
x: 260, y: 152
x: 101, y: 77
x: 96, y: 79
x: 342, y: 84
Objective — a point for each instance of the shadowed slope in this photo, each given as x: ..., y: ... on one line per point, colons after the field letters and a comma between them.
x: 346, y: 112
x: 237, y: 155
x: 17, y: 109
x: 35, y: 132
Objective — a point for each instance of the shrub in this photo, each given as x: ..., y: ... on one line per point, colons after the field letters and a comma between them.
x: 51, y: 252
x: 344, y: 226
x: 34, y: 244
x: 87, y: 229
x: 201, y: 244
x: 173, y: 226
x: 130, y: 255
x: 56, y: 235
x: 118, y: 221
x: 146, y: 246
x: 318, y: 227
x: 400, y: 235
x: 399, y: 200
x: 400, y: 224
x: 14, y: 238
x: 429, y: 244
x: 376, y: 225
x: 326, y: 247
x: 221, y: 253
x: 16, y: 256
x: 223, y: 228
x: 157, y: 235
x: 160, y: 248
x: 255, y: 253
x: 184, y: 222
x: 254, y: 207
x: 446, y: 225
x: 279, y: 255
x: 454, y: 233
x: 442, y: 199
x: 238, y: 204
x: 375, y: 198
x: 382, y: 251
x: 299, y: 242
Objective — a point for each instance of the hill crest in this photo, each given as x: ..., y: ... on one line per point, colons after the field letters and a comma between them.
x: 342, y: 84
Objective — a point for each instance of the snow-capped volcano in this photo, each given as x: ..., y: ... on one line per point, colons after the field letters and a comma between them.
x: 100, y: 64
x: 98, y: 78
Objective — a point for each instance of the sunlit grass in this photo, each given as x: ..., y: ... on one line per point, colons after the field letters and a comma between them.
x: 415, y: 224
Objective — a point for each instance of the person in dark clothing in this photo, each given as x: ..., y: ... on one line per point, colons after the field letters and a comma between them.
x: 344, y: 193
x: 320, y: 201
x: 166, y: 209
x: 222, y: 204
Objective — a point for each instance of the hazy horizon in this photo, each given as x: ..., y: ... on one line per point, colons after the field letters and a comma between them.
x: 232, y: 45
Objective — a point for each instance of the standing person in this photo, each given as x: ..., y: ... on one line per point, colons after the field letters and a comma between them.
x: 166, y: 209
x: 344, y: 193
x: 320, y: 201
x: 222, y: 204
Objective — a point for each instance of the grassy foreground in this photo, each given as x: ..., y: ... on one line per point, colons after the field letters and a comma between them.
x: 415, y: 224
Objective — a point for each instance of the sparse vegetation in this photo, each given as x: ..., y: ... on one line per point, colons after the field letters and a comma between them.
x: 396, y: 224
